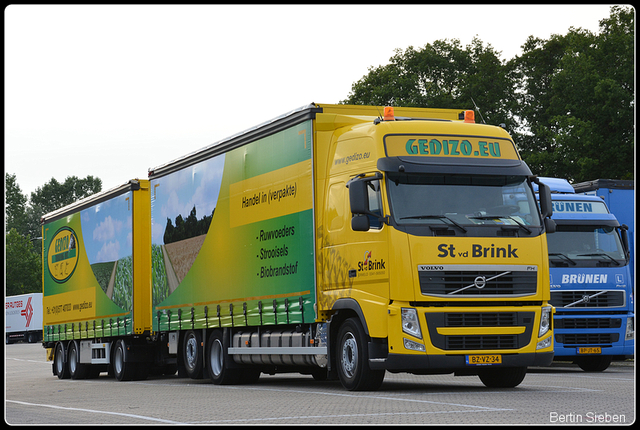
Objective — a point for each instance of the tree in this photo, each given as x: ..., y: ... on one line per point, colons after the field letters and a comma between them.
x: 55, y: 195
x: 23, y: 265
x: 577, y: 101
x: 15, y: 205
x: 23, y: 245
x: 443, y: 75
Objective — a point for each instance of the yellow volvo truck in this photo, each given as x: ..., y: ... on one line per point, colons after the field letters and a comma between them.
x: 337, y: 241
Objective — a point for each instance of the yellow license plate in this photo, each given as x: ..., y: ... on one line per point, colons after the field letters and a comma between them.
x: 483, y: 360
x: 590, y: 350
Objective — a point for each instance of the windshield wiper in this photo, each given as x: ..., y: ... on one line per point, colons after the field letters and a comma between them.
x: 595, y: 254
x: 436, y: 217
x: 560, y: 254
x: 502, y: 216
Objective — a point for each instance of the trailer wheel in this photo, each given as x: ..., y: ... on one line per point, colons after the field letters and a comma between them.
x: 353, y: 359
x: 122, y: 370
x: 76, y: 369
x: 503, y: 377
x: 192, y: 354
x: 217, y: 359
x: 60, y: 365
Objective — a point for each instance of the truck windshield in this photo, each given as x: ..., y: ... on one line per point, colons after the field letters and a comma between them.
x: 462, y: 200
x: 573, y: 245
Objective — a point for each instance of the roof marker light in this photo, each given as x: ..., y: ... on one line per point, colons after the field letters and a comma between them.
x: 388, y: 113
x: 469, y: 117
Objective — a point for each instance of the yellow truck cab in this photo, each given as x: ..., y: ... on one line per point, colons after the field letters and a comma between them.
x: 429, y: 233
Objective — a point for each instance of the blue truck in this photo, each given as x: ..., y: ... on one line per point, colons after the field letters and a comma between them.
x: 592, y: 288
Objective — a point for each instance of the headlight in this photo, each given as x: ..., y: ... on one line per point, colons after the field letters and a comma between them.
x: 629, y: 334
x: 545, y: 321
x: 410, y: 323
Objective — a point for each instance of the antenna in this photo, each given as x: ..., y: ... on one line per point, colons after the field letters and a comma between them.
x: 478, y: 109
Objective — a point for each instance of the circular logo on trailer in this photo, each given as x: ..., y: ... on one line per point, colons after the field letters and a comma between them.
x: 62, y: 257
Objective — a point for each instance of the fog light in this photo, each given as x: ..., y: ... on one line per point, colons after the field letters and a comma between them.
x: 414, y: 346
x: 545, y: 343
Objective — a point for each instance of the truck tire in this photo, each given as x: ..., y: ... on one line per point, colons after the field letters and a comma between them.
x: 217, y: 361
x: 60, y: 366
x: 122, y: 370
x: 77, y: 370
x: 503, y: 377
x: 594, y: 364
x: 192, y: 354
x: 353, y: 359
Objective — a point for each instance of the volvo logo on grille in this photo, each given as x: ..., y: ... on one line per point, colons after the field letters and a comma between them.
x: 480, y: 282
x: 585, y: 298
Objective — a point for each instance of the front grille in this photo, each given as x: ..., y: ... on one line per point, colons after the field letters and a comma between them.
x: 480, y: 319
x: 587, y: 323
x: 587, y: 299
x: 482, y: 342
x: 461, y: 281
x: 587, y: 338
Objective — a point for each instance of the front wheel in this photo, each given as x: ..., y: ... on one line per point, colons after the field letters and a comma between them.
x: 594, y: 364
x: 503, y: 377
x: 353, y: 359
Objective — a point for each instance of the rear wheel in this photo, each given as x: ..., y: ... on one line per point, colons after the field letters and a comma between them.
x: 77, y: 370
x: 503, y: 377
x: 353, y: 359
x: 192, y: 354
x: 60, y: 365
x: 217, y: 359
x: 122, y: 370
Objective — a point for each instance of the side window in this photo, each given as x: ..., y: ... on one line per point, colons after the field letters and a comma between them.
x: 375, y: 204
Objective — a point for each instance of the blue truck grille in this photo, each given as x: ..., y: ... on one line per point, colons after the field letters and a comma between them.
x: 587, y: 323
x: 587, y: 299
x: 587, y: 338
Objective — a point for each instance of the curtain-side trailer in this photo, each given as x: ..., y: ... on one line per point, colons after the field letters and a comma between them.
x: 333, y: 241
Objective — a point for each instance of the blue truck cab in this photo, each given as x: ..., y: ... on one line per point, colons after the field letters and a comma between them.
x: 592, y: 288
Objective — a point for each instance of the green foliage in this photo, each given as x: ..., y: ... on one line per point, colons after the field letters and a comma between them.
x: 441, y: 75
x: 568, y: 101
x: 102, y: 272
x: 23, y: 266
x: 123, y: 283
x: 185, y: 229
x: 159, y: 276
x: 577, y: 101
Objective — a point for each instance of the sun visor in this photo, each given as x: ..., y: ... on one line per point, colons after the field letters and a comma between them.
x: 453, y: 165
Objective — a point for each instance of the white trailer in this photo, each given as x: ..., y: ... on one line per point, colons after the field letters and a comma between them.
x: 23, y: 318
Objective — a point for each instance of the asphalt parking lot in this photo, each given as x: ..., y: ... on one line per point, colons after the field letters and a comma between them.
x: 560, y: 394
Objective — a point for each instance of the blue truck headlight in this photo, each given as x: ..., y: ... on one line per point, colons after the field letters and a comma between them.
x: 630, y: 332
x: 410, y: 323
x: 545, y: 321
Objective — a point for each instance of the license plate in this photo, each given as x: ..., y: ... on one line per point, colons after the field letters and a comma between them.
x: 590, y: 350
x: 483, y: 360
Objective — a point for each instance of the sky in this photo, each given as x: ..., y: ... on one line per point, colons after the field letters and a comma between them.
x: 113, y: 91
